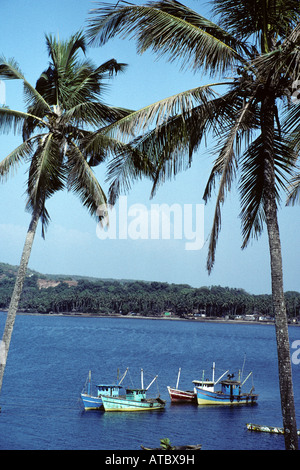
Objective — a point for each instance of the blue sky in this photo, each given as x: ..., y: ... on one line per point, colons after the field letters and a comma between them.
x: 71, y: 245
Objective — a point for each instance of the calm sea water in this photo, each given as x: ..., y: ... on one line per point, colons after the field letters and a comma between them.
x: 49, y: 361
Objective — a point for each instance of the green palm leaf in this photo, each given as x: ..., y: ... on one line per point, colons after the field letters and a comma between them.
x: 11, y: 119
x: 168, y: 28
x: 252, y: 184
x: 294, y: 190
x: 83, y: 182
x: 10, y: 70
x: 46, y: 176
x: 12, y: 161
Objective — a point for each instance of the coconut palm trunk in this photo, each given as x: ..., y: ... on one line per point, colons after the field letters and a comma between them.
x: 281, y: 325
x: 14, y: 303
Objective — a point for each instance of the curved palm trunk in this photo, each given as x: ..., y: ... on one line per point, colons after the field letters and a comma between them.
x: 14, y: 303
x: 281, y: 325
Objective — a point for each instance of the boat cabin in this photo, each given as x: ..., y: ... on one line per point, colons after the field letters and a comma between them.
x: 138, y: 394
x: 231, y: 387
x: 108, y: 390
x: 207, y: 385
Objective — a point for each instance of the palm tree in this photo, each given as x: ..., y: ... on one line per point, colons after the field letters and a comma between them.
x: 257, y: 43
x: 59, y: 140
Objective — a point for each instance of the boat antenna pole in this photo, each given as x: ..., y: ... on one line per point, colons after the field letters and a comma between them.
x: 246, y: 378
x: 243, y: 366
x: 177, y: 384
x: 89, y: 382
x: 151, y: 382
x: 221, y: 377
x: 123, y: 376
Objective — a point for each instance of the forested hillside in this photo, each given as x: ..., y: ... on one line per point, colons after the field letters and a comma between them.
x: 71, y: 294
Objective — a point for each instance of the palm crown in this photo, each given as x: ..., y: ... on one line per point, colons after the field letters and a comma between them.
x: 63, y: 112
x: 255, y: 41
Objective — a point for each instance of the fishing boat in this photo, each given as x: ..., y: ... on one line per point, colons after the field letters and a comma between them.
x: 94, y: 401
x: 230, y: 393
x: 134, y: 400
x: 181, y: 396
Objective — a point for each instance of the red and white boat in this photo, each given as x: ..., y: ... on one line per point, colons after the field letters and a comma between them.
x: 181, y: 396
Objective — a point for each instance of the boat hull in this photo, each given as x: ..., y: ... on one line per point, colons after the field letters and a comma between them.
x: 123, y: 404
x: 91, y: 403
x: 270, y: 429
x: 205, y: 397
x: 180, y: 396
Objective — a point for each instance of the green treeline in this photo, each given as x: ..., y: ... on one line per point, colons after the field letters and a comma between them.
x: 105, y: 296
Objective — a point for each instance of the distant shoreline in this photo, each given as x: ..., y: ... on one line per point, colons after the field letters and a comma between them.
x: 143, y: 317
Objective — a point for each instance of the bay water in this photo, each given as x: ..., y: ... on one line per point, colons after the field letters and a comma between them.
x: 50, y: 357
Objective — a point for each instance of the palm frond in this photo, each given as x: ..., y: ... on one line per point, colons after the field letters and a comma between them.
x: 111, y: 67
x: 10, y: 70
x: 11, y: 119
x: 168, y: 148
x: 126, y: 167
x: 252, y: 184
x: 162, y: 152
x: 162, y: 111
x: 278, y: 15
x: 98, y: 146
x: 169, y: 29
x: 10, y: 163
x: 225, y: 168
x: 46, y: 176
x: 282, y: 61
x: 83, y: 182
x: 294, y: 190
x: 291, y: 124
x: 64, y: 53
x: 95, y: 114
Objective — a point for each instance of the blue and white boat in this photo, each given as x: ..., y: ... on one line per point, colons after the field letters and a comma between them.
x: 229, y: 394
x: 94, y: 401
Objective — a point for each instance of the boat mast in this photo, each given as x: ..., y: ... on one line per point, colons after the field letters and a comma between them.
x: 151, y: 382
x: 221, y: 376
x: 203, y: 377
x: 213, y: 376
x: 123, y: 376
x: 142, y: 379
x: 177, y: 384
x: 89, y: 382
x: 249, y: 375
